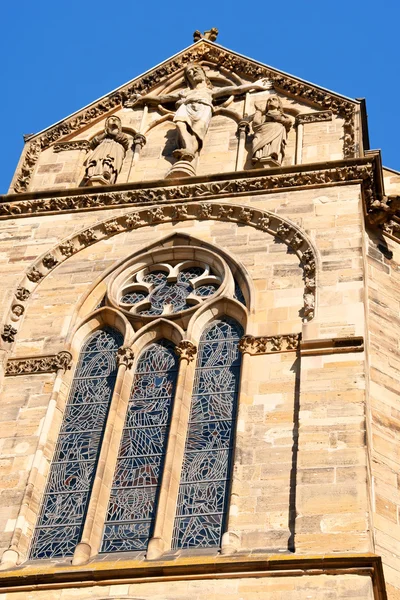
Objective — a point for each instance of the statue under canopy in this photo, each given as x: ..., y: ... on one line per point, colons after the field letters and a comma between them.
x: 194, y: 108
x: 108, y: 153
x: 270, y: 126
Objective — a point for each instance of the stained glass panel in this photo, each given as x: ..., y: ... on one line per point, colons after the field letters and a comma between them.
x: 206, y: 467
x: 137, y: 478
x: 74, y: 464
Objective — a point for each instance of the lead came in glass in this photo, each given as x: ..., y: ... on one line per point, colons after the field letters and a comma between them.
x: 206, y: 467
x: 71, y: 475
x: 137, y: 478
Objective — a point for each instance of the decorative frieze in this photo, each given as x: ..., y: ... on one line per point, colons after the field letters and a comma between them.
x: 72, y: 145
x: 186, y: 350
x: 39, y: 364
x: 250, y: 344
x: 202, y: 190
x: 315, y: 117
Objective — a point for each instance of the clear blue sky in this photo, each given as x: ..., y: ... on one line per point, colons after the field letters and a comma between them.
x: 59, y: 56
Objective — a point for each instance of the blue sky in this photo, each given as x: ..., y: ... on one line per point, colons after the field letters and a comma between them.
x: 60, y: 56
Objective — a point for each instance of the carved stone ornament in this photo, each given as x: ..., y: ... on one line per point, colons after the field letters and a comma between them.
x: 206, y: 53
x: 125, y: 356
x: 34, y: 275
x: 315, y: 117
x: 24, y: 176
x: 186, y: 350
x: 49, y: 261
x: 266, y: 221
x: 270, y: 126
x: 9, y: 333
x: 73, y: 145
x: 67, y: 248
x: 39, y: 364
x: 17, y: 311
x: 22, y: 294
x: 108, y: 152
x: 268, y: 345
x: 88, y: 237
x: 377, y: 210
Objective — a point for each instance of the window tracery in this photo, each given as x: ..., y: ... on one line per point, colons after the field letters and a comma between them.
x: 169, y: 288
x: 165, y: 283
x: 137, y: 478
x: 74, y: 464
x: 206, y: 468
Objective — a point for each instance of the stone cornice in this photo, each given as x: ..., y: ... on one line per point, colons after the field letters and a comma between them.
x: 48, y: 363
x: 337, y: 345
x: 36, y: 576
x: 363, y: 170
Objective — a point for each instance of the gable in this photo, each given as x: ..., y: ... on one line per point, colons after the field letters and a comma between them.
x: 306, y: 103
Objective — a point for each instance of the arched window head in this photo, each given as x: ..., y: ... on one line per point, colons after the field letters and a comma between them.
x: 204, y: 486
x: 137, y: 478
x: 72, y: 471
x: 172, y: 282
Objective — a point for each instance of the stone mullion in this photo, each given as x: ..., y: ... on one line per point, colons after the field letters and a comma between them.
x: 169, y: 489
x: 96, y: 515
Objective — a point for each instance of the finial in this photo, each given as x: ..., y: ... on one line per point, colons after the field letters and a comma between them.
x: 211, y: 35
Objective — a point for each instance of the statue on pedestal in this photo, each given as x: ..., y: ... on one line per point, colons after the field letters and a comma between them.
x: 108, y: 152
x: 194, y: 109
x: 270, y: 127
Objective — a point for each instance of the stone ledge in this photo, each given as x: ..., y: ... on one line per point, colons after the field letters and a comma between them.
x: 37, y: 576
x: 364, y: 171
x: 337, y: 345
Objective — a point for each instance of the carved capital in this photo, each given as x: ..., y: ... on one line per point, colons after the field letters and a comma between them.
x: 269, y: 345
x: 186, y: 350
x: 243, y: 127
x: 39, y: 364
x: 125, y: 356
x: 139, y: 140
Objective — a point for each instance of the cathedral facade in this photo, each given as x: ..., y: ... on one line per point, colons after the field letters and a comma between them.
x: 200, y: 360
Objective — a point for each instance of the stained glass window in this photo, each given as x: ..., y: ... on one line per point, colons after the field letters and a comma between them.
x: 74, y: 464
x: 169, y: 288
x: 206, y: 467
x: 137, y: 479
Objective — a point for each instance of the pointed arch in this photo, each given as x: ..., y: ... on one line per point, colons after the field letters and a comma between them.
x: 137, y: 480
x: 206, y: 471
x: 74, y: 463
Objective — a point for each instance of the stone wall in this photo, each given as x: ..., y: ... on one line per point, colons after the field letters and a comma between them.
x: 384, y: 390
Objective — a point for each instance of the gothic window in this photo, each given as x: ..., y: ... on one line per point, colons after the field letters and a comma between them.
x: 74, y: 464
x: 204, y: 486
x: 169, y: 288
x: 137, y: 479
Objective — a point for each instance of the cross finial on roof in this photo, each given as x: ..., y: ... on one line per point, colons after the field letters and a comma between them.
x: 211, y: 35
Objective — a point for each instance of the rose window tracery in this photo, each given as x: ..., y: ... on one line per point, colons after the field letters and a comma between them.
x: 169, y: 288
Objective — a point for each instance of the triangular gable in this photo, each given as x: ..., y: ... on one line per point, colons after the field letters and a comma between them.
x: 205, y: 50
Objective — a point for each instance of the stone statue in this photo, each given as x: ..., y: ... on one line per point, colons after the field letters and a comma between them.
x: 108, y: 152
x: 194, y: 108
x: 270, y: 126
